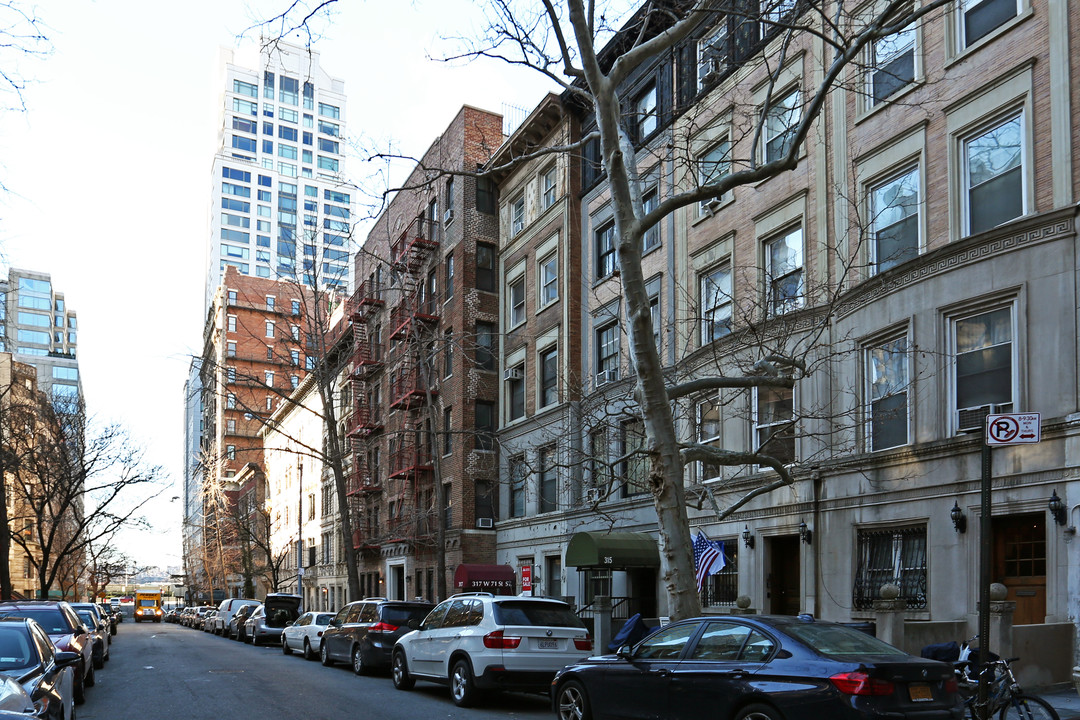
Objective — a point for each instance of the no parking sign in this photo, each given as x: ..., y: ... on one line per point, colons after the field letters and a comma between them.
x: 1013, y: 429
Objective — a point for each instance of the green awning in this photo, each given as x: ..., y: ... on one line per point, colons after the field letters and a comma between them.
x: 617, y: 550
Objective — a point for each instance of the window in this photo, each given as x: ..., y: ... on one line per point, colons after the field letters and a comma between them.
x: 549, y: 481
x: 485, y: 425
x: 517, y: 300
x: 548, y: 189
x: 485, y: 267
x: 268, y: 378
x: 448, y: 435
x: 269, y: 329
x: 294, y: 356
x: 776, y: 11
x: 894, y: 213
x: 895, y: 556
x: 598, y: 458
x: 713, y: 55
x: 270, y: 301
x: 230, y: 375
x: 230, y: 348
x: 887, y: 381
x: 715, y: 304
x: 891, y: 63
x: 448, y: 215
x: 330, y: 111
x: 635, y: 466
x: 242, y: 88
x: 515, y: 392
x: 244, y: 144
x: 448, y: 352
x: 230, y: 452
x: 985, y: 358
x: 712, y: 165
x: 549, y: 377
x: 294, y: 332
x: 994, y: 175
x: 784, y: 271
x: 549, y: 279
x: 605, y: 251
x: 518, y: 473
x: 485, y: 346
x: 449, y: 276
x: 517, y: 215
x: 486, y: 197
x: 651, y: 237
x: 708, y: 432
x: 607, y: 353
x: 646, y: 114
x: 230, y: 401
x: 981, y: 17
x: 774, y: 423
x: 653, y: 289
x: 232, y: 323
x: 780, y: 121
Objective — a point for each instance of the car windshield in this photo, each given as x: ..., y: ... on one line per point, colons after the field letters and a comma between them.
x: 15, y: 649
x: 50, y: 619
x: 522, y: 612
x: 837, y: 641
x: 398, y: 615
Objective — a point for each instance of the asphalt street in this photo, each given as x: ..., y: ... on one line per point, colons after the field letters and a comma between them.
x: 185, y: 674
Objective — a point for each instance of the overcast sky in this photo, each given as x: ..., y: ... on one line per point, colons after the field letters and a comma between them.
x: 108, y: 177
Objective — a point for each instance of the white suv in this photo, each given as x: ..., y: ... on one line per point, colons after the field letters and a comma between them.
x: 477, y: 641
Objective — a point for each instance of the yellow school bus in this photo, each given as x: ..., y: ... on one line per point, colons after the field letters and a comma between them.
x: 148, y: 606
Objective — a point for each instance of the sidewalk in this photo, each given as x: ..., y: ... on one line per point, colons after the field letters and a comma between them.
x: 1064, y: 699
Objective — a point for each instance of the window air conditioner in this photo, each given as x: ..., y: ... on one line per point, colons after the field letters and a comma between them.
x: 607, y: 376
x: 513, y: 374
x: 484, y: 523
x: 592, y: 496
x: 448, y: 215
x: 973, y: 419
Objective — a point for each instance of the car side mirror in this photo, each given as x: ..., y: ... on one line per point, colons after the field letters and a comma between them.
x: 335, y: 623
x: 626, y: 652
x: 63, y: 658
x: 415, y: 624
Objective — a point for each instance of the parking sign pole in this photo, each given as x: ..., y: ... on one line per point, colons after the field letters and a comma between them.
x: 984, y: 580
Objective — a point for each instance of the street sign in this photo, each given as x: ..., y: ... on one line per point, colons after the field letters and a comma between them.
x: 1013, y: 429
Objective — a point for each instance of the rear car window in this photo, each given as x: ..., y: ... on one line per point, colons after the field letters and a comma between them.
x: 401, y: 615
x: 280, y: 617
x: 521, y: 612
x: 837, y: 641
x: 51, y: 620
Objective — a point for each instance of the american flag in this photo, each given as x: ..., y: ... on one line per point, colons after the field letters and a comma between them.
x: 708, y: 558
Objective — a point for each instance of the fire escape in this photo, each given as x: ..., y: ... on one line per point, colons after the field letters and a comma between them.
x: 411, y: 373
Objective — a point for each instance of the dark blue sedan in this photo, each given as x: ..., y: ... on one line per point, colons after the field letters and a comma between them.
x: 757, y: 668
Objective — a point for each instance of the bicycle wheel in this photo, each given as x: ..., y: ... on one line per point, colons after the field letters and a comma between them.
x: 1028, y: 707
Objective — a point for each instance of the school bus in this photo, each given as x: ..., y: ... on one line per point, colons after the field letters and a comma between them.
x: 148, y: 606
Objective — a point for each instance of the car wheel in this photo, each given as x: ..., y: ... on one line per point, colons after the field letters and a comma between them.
x: 99, y: 661
x: 80, y: 686
x: 285, y: 649
x: 462, y: 688
x: 324, y: 655
x: 309, y: 654
x: 358, y: 666
x: 759, y: 711
x: 91, y: 679
x: 399, y: 670
x: 572, y: 703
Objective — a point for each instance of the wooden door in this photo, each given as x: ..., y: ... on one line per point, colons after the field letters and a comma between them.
x: 1019, y: 563
x: 782, y: 583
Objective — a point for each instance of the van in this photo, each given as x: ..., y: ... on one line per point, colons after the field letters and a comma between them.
x: 226, y: 610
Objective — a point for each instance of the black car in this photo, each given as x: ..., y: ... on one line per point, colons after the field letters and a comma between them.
x: 28, y: 656
x: 363, y: 633
x: 237, y: 630
x: 67, y: 632
x: 757, y: 668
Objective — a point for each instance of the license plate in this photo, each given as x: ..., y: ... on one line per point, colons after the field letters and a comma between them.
x: 548, y: 644
x: 920, y: 693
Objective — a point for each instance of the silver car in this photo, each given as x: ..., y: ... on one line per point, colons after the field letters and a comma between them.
x: 305, y: 635
x: 266, y: 623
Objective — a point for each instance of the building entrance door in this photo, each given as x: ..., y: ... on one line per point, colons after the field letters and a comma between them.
x: 782, y: 583
x: 1019, y: 563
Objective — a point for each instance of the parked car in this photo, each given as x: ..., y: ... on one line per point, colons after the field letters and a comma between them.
x: 99, y: 633
x: 265, y: 624
x: 66, y: 631
x: 363, y: 633
x: 476, y: 641
x: 225, y: 612
x: 238, y: 624
x: 208, y: 620
x: 112, y: 617
x: 197, y: 616
x: 305, y: 634
x: 47, y: 675
x: 764, y: 668
x: 15, y: 702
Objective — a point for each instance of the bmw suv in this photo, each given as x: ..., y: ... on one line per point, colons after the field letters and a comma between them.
x: 477, y: 641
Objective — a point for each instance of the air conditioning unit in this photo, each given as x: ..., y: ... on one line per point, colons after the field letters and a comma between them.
x: 485, y: 523
x: 514, y: 373
x: 448, y: 215
x: 712, y: 75
x: 973, y: 419
x: 607, y: 376
x: 592, y: 496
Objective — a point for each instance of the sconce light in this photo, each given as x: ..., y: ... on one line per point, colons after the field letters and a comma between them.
x: 805, y: 533
x: 1057, y: 509
x: 959, y: 521
x: 747, y: 538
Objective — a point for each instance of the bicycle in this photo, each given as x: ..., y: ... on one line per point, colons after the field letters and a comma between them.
x: 1005, y: 697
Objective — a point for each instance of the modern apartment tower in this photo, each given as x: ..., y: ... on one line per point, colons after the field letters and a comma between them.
x: 280, y: 206
x: 40, y: 329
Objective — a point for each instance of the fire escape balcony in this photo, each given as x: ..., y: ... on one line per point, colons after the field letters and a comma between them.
x: 367, y: 298
x: 409, y: 460
x: 363, y: 479
x: 409, y: 388
x: 367, y: 352
x: 414, y: 314
x: 416, y: 245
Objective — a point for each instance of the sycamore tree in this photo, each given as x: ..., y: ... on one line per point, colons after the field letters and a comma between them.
x: 570, y: 42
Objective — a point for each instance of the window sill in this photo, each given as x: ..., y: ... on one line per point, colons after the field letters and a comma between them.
x: 876, y: 109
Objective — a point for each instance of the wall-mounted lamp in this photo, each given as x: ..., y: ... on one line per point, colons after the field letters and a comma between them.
x: 805, y: 533
x: 1057, y: 509
x: 747, y: 538
x: 959, y: 520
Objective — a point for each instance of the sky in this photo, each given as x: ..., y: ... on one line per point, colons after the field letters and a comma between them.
x: 106, y: 177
